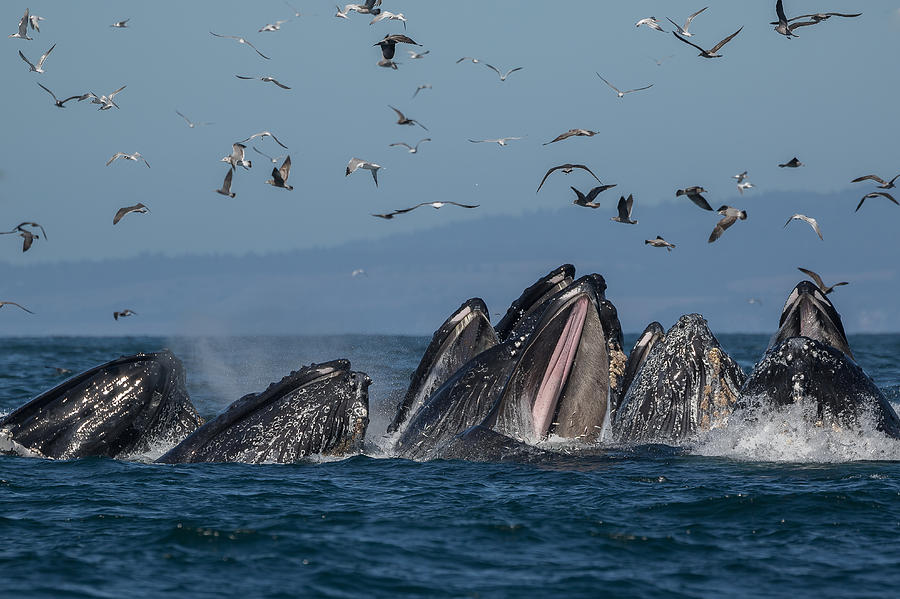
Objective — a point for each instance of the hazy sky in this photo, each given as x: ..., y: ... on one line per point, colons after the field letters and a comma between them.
x: 828, y: 97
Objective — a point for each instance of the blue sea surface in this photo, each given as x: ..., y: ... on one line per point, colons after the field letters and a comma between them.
x: 767, y: 512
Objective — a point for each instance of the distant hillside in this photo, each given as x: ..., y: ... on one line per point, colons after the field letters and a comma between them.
x: 413, y: 281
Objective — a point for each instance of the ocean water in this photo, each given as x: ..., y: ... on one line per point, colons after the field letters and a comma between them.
x: 775, y: 510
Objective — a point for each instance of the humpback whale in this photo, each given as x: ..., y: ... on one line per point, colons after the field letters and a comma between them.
x: 321, y: 409
x: 533, y: 298
x: 809, y: 361
x: 686, y: 384
x: 549, y: 376
x: 117, y: 409
x: 464, y: 335
x: 652, y: 335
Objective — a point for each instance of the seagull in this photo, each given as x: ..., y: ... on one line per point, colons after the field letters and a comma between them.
x: 792, y: 163
x: 356, y: 163
x: 412, y: 149
x: 875, y: 194
x: 693, y: 194
x: 237, y: 157
x: 342, y: 14
x: 35, y: 22
x: 684, y: 30
x: 620, y: 93
x: 754, y: 300
x: 420, y: 88
x: 124, y: 313
x: 712, y: 52
x: 566, y: 168
x: 280, y: 175
x: 811, y: 221
x: 402, y: 120
x: 496, y: 70
x: 731, y: 216
x: 650, y: 22
x: 138, y: 208
x: 500, y: 141
x: 782, y: 26
x: 272, y: 26
x: 359, y: 272
x: 819, y: 282
x: 816, y: 18
x: 2, y: 303
x: 570, y: 133
x: 744, y: 185
x: 366, y: 9
x: 624, y: 208
x: 435, y: 205
x: 388, y: 64
x: 659, y: 242
x: 133, y: 157
x: 882, y: 183
x: 474, y: 60
x: 190, y: 124
x: 391, y: 16
x: 266, y: 79
x: 241, y: 40
x: 273, y: 160
x: 390, y: 41
x: 59, y: 103
x: 740, y: 177
x: 23, y: 28
x: 27, y: 236
x: 414, y: 55
x: 106, y: 102
x: 120, y: 24
x: 226, y: 185
x: 265, y: 134
x: 587, y: 201
x: 40, y: 65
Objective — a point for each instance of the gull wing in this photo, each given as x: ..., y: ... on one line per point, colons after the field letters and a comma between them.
x: 718, y: 46
x: 689, y: 43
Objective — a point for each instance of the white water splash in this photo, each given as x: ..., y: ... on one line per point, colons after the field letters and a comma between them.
x: 790, y: 434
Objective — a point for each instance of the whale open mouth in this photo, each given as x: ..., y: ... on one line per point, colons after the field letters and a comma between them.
x: 556, y: 374
x: 808, y: 313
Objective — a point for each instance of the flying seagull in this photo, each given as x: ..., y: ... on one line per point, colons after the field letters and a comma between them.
x: 40, y: 65
x: 414, y: 55
x: 566, y: 168
x: 693, y: 194
x: 650, y: 22
x: 27, y: 236
x: 572, y: 132
x: 624, y: 209
x: 621, y: 94
x: 730, y: 216
x: 587, y: 201
x: 391, y: 16
x: 276, y: 26
x: 402, y: 120
x: 783, y: 26
x: 882, y: 183
x: 241, y: 40
x: 356, y: 163
x: 106, y: 102
x: 819, y: 282
x: 502, y: 76
x: 124, y: 313
x: 792, y: 163
x: 226, y: 185
x: 744, y: 185
x: 412, y: 149
x: 60, y: 103
x: 120, y: 24
x: 342, y: 14
x: 659, y: 242
x: 35, y: 22
x: 2, y: 303
x: 265, y: 134
x: 712, y: 52
x: 138, y: 208
x: 135, y: 157
x: 420, y: 88
x: 365, y: 9
x: 687, y: 23
x: 474, y: 60
x: 389, y: 43
x: 499, y: 141
x: 875, y: 194
x: 236, y: 158
x: 280, y: 175
x: 740, y: 177
x: 22, y: 33
x: 272, y: 159
x: 810, y: 221
x: 435, y: 205
x: 388, y: 64
x: 359, y: 272
x: 190, y: 124
x: 266, y: 79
